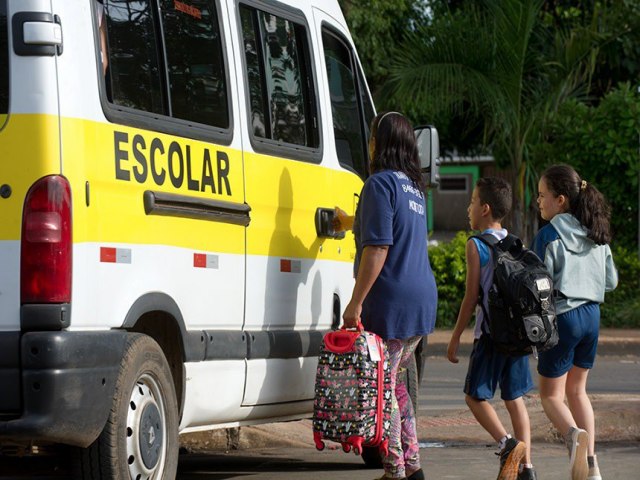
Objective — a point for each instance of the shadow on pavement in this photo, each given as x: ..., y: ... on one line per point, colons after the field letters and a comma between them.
x: 230, y: 465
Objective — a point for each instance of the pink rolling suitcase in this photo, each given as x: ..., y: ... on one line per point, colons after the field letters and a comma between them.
x: 352, y: 404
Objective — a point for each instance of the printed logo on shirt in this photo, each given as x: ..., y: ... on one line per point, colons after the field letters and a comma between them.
x: 416, y: 207
x: 411, y: 189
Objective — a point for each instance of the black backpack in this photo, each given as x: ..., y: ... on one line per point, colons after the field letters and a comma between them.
x: 521, y: 316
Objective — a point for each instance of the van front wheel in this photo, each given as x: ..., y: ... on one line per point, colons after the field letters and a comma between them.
x: 140, y: 439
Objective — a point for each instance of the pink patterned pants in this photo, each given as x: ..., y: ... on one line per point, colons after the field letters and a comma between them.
x: 404, y: 454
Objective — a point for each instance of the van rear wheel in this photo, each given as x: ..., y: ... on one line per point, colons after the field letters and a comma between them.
x: 140, y: 438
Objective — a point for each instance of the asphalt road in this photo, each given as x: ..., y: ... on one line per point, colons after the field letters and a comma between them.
x: 441, y: 391
x: 441, y: 388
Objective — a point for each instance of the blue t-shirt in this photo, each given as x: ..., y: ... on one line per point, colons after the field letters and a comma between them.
x: 402, y: 301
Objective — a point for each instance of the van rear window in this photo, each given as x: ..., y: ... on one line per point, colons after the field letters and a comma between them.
x: 166, y: 57
x: 4, y: 61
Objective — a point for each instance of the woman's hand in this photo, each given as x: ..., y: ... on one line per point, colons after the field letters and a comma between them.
x: 351, y: 315
x: 341, y: 220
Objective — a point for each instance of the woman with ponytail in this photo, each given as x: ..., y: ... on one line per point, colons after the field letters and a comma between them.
x: 574, y: 247
x: 395, y: 293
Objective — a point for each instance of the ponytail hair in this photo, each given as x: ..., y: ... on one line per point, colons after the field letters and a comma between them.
x: 586, y: 203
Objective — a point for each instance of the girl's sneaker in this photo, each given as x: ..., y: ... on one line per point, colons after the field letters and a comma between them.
x: 578, y: 454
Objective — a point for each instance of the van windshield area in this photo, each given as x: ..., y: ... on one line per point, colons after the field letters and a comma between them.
x: 4, y: 63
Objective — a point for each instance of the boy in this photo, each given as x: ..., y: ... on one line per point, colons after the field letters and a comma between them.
x: 490, y: 203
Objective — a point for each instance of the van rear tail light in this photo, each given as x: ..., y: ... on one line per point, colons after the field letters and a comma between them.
x: 45, y: 255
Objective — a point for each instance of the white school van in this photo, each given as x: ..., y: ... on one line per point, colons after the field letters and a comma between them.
x: 168, y: 169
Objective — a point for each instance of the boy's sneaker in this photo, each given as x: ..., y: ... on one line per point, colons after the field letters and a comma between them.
x: 510, y: 457
x: 578, y: 454
x: 527, y: 474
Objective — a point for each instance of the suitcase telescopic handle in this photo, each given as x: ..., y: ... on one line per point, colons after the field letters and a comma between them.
x: 358, y: 328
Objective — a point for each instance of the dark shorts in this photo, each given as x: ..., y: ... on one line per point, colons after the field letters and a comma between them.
x: 578, y: 330
x: 489, y: 368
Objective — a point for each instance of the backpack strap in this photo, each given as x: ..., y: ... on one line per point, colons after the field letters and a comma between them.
x: 507, y: 243
x: 490, y: 241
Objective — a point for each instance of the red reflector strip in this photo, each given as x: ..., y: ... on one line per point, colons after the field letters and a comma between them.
x: 199, y: 260
x: 204, y: 260
x: 290, y: 266
x: 115, y: 255
x: 107, y: 254
x: 285, y: 265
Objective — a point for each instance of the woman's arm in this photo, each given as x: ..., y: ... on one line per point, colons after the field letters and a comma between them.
x: 371, y: 263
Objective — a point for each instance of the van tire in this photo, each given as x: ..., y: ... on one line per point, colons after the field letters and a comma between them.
x: 144, y: 411
x: 371, y: 455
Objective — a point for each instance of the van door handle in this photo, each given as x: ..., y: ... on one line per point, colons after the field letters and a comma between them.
x: 37, y: 34
x: 324, y: 224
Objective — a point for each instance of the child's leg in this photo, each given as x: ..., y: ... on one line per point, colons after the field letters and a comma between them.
x: 583, y: 360
x: 520, y: 421
x: 486, y: 417
x: 552, y: 391
x: 579, y: 403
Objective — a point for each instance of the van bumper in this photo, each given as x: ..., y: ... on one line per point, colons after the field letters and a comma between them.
x: 66, y: 385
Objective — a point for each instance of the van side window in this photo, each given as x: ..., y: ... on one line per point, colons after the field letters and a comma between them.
x: 350, y: 105
x: 169, y: 63
x: 4, y: 61
x: 277, y: 58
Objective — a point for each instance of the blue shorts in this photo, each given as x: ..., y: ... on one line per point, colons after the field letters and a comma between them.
x: 578, y: 330
x: 489, y: 368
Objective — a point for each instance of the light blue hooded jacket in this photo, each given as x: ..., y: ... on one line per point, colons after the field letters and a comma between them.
x: 582, y: 271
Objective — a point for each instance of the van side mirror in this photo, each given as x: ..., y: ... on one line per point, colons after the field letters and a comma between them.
x: 429, y: 152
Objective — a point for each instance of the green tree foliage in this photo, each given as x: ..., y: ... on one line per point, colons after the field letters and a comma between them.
x: 618, y: 21
x: 601, y: 143
x: 620, y: 308
x: 376, y: 27
x: 448, y: 265
x: 495, y: 62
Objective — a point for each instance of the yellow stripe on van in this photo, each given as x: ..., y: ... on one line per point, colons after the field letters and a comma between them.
x: 111, y: 166
x: 30, y: 150
x: 120, y: 163
x: 283, y: 194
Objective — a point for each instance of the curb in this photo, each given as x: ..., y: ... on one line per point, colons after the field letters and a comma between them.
x: 612, y: 342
